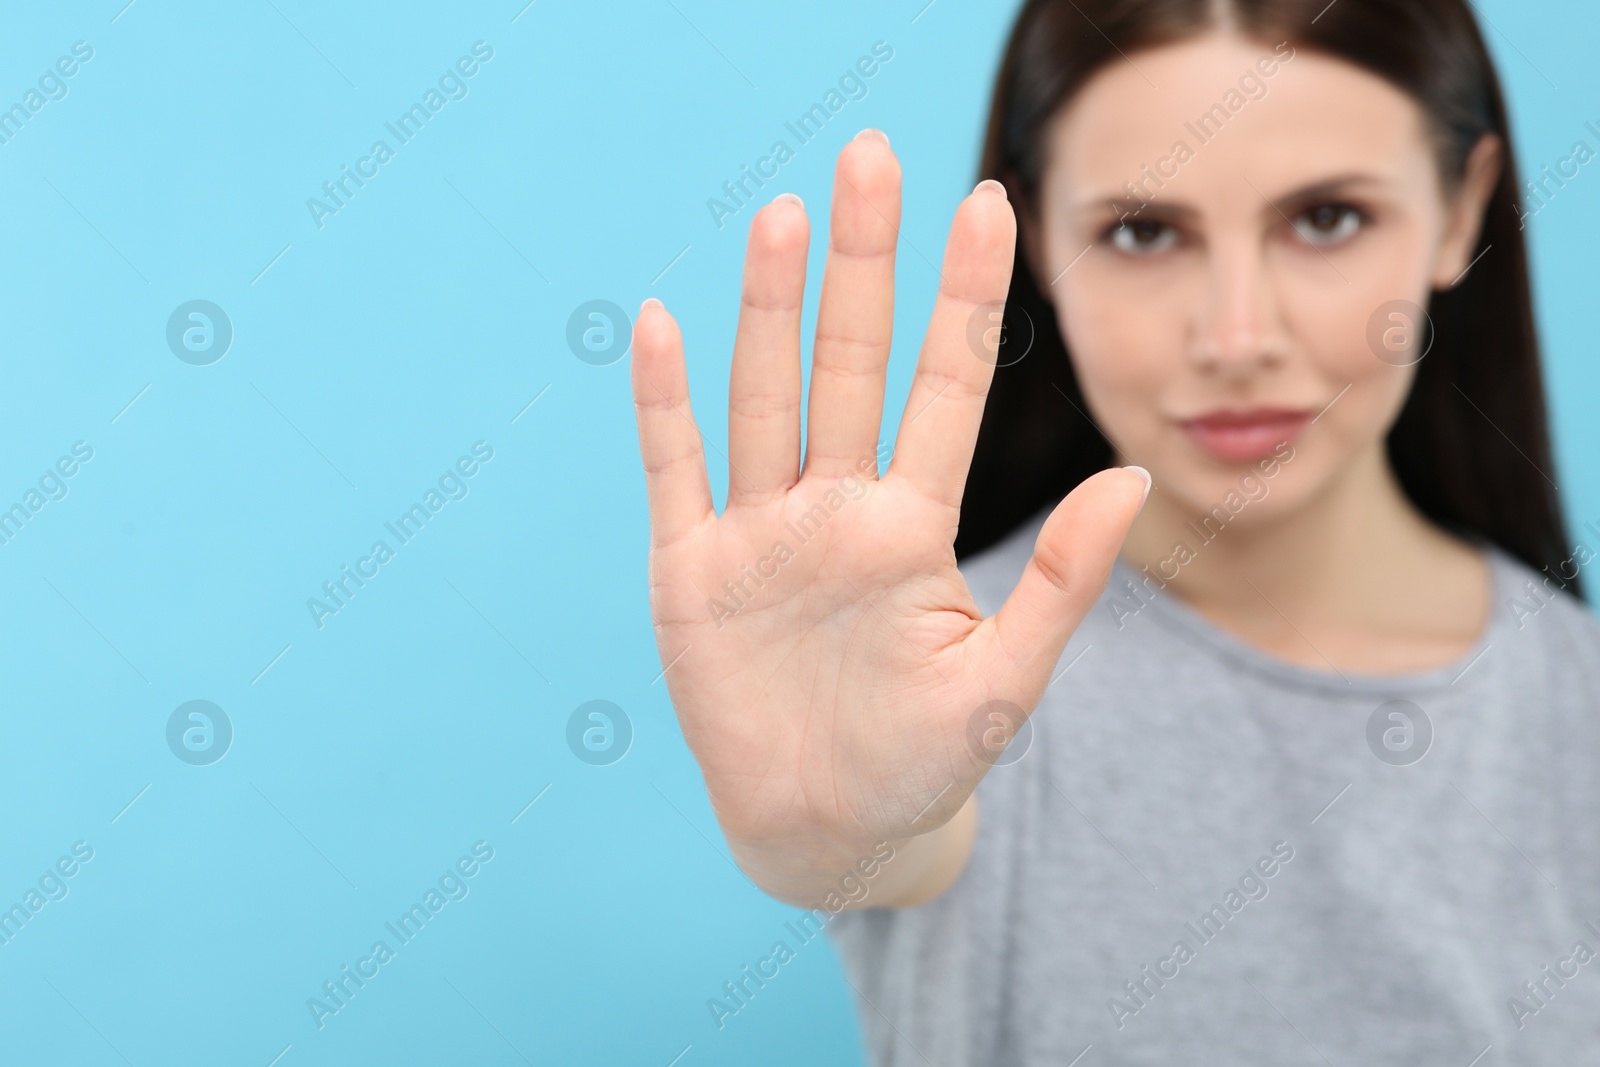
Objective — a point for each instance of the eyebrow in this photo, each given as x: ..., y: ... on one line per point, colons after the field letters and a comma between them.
x: 1120, y: 206
x: 1327, y: 187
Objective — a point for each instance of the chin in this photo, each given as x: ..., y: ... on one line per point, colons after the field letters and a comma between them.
x: 1242, y: 493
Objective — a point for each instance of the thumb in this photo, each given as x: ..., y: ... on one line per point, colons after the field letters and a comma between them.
x: 1072, y: 561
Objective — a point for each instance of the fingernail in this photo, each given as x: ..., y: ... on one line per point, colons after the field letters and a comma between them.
x: 877, y: 135
x: 651, y: 301
x: 789, y: 198
x: 1141, y: 472
x: 989, y: 185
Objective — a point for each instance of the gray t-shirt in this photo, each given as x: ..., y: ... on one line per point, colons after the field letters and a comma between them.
x: 1202, y: 857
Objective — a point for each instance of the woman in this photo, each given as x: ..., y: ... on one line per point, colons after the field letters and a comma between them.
x: 1310, y: 767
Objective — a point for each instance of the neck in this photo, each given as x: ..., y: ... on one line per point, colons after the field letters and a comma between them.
x: 1357, y: 571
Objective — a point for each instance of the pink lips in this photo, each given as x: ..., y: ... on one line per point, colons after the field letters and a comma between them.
x: 1244, y: 436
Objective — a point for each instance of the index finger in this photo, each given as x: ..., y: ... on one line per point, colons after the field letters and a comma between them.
x: 939, y: 427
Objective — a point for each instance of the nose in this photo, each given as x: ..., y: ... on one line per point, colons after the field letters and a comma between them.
x: 1237, y: 330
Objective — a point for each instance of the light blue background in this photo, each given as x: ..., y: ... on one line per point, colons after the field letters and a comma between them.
x: 424, y: 317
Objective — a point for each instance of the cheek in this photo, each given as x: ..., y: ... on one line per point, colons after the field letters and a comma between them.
x: 1340, y: 318
x: 1363, y: 415
x: 1366, y: 394
x: 1340, y: 332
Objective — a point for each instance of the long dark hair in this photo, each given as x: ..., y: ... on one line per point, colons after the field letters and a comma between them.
x: 1478, y: 399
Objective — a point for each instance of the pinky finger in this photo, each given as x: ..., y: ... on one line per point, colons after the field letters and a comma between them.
x: 669, y: 442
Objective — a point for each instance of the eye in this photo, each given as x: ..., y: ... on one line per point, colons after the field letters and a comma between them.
x: 1142, y: 237
x: 1329, y: 224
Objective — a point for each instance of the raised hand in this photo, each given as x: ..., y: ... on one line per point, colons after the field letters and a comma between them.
x: 826, y: 658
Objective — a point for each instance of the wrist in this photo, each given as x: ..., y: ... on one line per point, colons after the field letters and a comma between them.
x: 860, y: 873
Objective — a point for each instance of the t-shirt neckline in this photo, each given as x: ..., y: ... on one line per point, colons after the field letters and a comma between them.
x: 1169, y: 611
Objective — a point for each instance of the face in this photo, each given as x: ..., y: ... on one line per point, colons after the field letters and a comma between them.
x: 1218, y: 248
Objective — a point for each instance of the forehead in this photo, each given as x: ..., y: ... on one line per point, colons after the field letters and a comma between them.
x: 1314, y: 116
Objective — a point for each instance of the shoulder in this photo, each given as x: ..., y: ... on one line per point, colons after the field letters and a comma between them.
x: 1546, y: 627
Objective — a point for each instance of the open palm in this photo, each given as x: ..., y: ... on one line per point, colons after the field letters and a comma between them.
x: 823, y: 653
